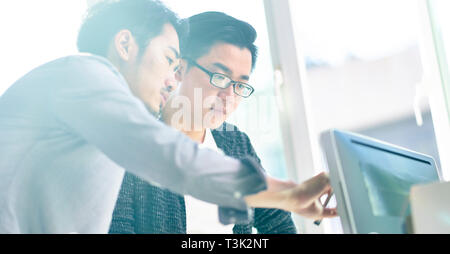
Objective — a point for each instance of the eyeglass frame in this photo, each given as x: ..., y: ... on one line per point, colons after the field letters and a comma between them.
x: 211, y: 75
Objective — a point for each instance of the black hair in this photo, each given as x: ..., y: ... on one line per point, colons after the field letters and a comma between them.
x: 144, y: 18
x: 209, y: 28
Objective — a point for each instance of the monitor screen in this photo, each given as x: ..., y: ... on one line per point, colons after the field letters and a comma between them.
x: 389, y: 176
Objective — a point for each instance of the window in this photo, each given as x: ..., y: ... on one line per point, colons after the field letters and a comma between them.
x: 364, y: 71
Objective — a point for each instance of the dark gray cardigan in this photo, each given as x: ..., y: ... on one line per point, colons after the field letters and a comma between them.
x: 145, y: 209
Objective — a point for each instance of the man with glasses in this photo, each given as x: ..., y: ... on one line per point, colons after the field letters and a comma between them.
x: 218, y: 58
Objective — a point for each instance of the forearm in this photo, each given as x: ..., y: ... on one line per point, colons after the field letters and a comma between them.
x: 275, y: 196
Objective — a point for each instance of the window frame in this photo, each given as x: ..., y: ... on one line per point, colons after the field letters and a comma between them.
x: 302, y: 152
x: 434, y: 83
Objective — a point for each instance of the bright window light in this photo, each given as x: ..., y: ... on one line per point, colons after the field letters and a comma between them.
x: 35, y: 32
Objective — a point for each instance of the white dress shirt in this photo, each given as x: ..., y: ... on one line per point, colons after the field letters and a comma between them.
x: 202, y: 217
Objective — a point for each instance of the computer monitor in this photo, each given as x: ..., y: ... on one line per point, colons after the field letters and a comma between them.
x: 372, y: 179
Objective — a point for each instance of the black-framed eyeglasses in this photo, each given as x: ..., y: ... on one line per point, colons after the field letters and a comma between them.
x: 222, y: 81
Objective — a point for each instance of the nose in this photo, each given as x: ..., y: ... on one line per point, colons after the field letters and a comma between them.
x: 171, y: 83
x: 227, y: 96
x: 227, y: 92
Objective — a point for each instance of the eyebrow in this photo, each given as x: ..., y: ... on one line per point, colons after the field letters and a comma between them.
x: 177, y: 54
x: 229, y: 72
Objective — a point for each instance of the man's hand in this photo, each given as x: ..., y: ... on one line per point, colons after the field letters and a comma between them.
x: 302, y: 199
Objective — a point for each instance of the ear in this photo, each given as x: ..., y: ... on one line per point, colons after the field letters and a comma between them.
x: 125, y: 45
x: 179, y: 75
